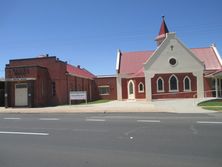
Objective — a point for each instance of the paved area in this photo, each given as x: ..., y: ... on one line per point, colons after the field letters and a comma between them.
x: 169, y: 105
x: 111, y: 140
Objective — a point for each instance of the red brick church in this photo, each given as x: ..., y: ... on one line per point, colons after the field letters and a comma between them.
x: 171, y: 71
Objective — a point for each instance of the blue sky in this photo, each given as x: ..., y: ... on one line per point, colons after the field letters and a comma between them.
x: 89, y: 32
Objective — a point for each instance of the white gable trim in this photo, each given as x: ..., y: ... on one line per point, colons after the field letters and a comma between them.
x: 159, y: 49
x: 118, y: 60
x: 217, y: 53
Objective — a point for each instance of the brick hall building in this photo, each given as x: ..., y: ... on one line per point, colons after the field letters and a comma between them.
x: 45, y: 81
x: 171, y: 71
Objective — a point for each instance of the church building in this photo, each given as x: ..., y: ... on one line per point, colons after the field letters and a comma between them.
x: 171, y: 71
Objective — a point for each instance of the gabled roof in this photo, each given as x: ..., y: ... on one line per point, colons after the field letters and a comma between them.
x: 131, y: 63
x: 208, y: 56
x: 79, y: 72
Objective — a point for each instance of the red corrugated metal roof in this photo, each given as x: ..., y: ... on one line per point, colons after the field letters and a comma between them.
x: 208, y: 56
x: 131, y: 63
x: 81, y: 72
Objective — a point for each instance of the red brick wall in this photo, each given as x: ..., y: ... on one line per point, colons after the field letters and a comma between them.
x: 55, y: 71
x: 82, y: 84
x: 39, y: 95
x: 139, y: 95
x: 136, y: 81
x: 181, y: 93
x: 111, y: 82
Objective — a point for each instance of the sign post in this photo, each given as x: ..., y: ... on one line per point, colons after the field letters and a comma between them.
x: 77, y: 95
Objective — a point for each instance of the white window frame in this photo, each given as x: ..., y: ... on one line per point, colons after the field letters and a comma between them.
x: 184, y: 88
x: 157, y: 86
x: 104, y: 86
x: 140, y: 91
x: 177, y: 90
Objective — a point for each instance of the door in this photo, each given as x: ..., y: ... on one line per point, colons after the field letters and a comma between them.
x: 21, y: 94
x: 131, y: 90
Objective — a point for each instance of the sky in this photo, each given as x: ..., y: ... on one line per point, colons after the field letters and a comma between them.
x: 89, y: 32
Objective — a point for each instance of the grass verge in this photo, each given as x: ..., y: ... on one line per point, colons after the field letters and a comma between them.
x: 215, y: 104
x: 95, y: 102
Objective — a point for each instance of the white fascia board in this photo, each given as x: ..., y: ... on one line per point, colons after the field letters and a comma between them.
x: 217, y: 54
x: 118, y: 59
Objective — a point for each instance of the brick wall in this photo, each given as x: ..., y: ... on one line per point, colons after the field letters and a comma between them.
x: 181, y: 93
x: 137, y: 81
x: 46, y: 71
x: 107, y: 81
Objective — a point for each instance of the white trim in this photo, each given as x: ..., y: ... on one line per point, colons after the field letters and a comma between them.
x: 158, y: 51
x: 118, y: 60
x: 131, y: 96
x: 184, y: 89
x: 177, y: 90
x: 157, y: 87
x: 140, y: 91
x: 104, y: 86
x: 217, y: 53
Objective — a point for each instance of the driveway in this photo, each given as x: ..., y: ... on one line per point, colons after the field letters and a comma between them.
x: 169, y: 105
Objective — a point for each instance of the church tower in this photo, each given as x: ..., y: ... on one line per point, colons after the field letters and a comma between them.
x: 162, y: 33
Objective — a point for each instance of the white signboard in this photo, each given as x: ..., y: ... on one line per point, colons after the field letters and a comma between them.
x: 78, y: 95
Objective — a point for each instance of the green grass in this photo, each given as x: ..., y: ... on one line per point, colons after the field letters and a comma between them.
x: 98, y: 101
x: 215, y: 104
x: 93, y: 102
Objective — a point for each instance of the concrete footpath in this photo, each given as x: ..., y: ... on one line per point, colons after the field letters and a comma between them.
x: 169, y: 105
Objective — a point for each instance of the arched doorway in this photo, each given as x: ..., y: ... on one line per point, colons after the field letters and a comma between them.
x: 131, y: 90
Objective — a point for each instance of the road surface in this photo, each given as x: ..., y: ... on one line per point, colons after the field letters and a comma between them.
x: 111, y: 140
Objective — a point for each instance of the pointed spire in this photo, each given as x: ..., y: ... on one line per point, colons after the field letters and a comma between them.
x: 163, y: 27
x: 162, y: 33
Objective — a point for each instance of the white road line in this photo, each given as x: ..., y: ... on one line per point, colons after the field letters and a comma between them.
x: 208, y: 122
x: 9, y: 118
x: 96, y: 120
x: 24, y: 133
x: 146, y: 120
x: 48, y: 119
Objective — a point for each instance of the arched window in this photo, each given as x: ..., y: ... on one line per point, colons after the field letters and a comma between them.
x: 173, y: 83
x: 131, y: 88
x: 141, y: 87
x: 186, y: 84
x: 160, y: 85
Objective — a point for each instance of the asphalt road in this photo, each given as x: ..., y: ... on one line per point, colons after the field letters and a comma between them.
x: 111, y: 140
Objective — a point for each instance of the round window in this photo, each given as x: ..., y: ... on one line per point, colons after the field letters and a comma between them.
x: 173, y: 61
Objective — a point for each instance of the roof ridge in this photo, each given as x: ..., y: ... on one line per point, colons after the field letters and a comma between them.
x: 137, y: 51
